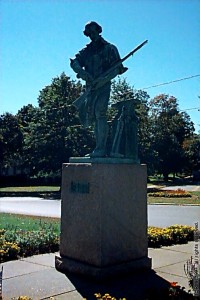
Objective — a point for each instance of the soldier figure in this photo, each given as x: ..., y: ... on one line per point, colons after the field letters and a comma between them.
x: 90, y: 63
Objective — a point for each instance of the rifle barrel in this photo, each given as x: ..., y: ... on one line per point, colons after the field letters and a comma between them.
x: 78, y: 102
x: 134, y: 50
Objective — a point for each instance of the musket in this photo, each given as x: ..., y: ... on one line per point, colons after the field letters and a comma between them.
x: 81, y: 100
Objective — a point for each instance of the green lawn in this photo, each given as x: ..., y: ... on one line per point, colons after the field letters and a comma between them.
x: 22, y: 236
x: 29, y: 189
x: 28, y: 223
x: 194, y: 200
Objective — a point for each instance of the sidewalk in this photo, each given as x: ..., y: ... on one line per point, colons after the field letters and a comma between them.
x: 37, y: 278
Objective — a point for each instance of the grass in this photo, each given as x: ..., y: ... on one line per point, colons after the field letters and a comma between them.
x: 49, y: 190
x: 29, y: 189
x: 28, y: 223
x: 22, y: 236
x: 194, y: 200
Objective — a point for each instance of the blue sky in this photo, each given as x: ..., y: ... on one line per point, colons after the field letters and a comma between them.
x: 37, y: 38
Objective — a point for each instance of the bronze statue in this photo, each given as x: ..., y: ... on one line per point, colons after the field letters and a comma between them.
x: 97, y: 64
x: 90, y: 64
x: 124, y: 131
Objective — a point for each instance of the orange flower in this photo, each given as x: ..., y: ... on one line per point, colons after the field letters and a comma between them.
x: 173, y: 284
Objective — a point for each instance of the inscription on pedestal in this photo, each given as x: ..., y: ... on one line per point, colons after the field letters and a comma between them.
x: 80, y: 187
x: 99, y: 235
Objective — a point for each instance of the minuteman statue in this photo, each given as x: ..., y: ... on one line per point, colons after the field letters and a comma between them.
x: 90, y: 63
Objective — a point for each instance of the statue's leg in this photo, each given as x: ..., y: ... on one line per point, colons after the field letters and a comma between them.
x: 101, y: 125
x: 101, y: 133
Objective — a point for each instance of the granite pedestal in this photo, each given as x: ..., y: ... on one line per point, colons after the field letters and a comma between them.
x: 103, y: 219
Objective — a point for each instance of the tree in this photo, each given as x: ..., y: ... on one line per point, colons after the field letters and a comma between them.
x: 192, y: 151
x: 11, y: 140
x: 121, y: 90
x: 170, y: 128
x: 49, y: 137
x: 61, y: 92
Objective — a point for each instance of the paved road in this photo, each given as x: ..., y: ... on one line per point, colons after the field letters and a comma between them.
x: 189, y: 188
x: 31, y: 206
x: 166, y: 215
x: 158, y: 215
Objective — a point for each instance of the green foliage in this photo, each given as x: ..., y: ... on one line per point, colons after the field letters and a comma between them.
x: 191, y: 148
x: 192, y: 271
x: 193, y: 200
x: 39, y: 139
x: 169, y: 129
x: 25, y: 235
x: 30, y: 189
x: 171, y: 194
x: 29, y: 223
x: 176, y: 234
x: 80, y: 140
x: 121, y: 90
x: 61, y: 92
x: 9, y: 250
x: 46, y: 147
x: 11, y: 141
x: 52, y: 131
x: 161, y: 127
x: 19, y: 242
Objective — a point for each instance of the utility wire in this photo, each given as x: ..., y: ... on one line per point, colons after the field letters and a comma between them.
x: 156, y: 85
x: 194, y: 108
x: 169, y: 82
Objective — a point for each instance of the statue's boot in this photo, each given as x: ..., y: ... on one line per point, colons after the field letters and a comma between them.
x: 101, y: 134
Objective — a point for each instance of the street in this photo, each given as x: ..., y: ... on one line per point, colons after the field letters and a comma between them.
x: 158, y: 215
x: 31, y: 206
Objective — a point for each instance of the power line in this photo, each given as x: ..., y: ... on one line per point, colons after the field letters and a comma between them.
x: 194, y: 108
x: 156, y: 85
x: 169, y: 82
x: 63, y: 106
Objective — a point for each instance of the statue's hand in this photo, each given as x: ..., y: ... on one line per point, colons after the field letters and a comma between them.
x: 85, y: 76
x: 101, y: 81
x: 106, y: 78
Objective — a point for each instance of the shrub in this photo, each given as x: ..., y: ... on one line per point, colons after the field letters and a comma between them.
x: 15, y: 242
x: 8, y: 250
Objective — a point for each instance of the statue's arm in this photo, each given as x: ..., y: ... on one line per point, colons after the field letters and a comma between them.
x: 81, y: 73
x: 112, y: 58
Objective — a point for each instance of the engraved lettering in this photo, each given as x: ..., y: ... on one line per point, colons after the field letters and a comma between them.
x: 80, y: 187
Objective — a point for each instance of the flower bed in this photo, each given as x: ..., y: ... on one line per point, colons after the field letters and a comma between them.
x: 176, y: 234
x: 179, y: 193
x: 173, y: 292
x: 15, y: 243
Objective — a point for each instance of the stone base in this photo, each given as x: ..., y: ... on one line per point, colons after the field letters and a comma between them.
x: 65, y: 265
x: 104, y: 160
x: 103, y: 219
